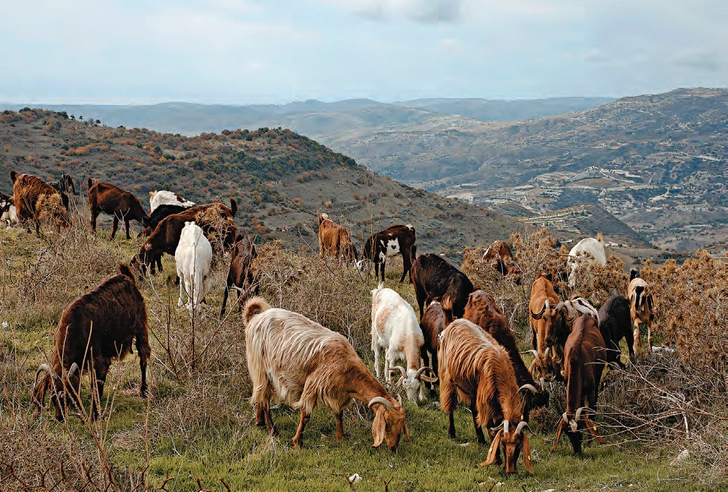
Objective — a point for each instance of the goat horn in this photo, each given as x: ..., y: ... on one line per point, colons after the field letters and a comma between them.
x: 42, y: 368
x: 539, y: 314
x: 505, y: 426
x: 495, y: 429
x: 565, y: 418
x: 534, y: 352
x: 380, y: 399
x: 546, y: 353
x: 398, y: 368
x: 542, y: 381
x: 578, y: 412
x: 521, y: 425
x: 73, y: 369
x: 428, y: 379
x: 529, y: 387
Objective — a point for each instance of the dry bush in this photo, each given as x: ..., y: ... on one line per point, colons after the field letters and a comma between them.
x: 328, y: 291
x: 691, y: 304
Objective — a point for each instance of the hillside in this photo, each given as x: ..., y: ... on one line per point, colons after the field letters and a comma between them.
x: 281, y: 180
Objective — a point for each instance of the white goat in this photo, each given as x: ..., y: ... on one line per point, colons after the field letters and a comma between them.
x: 586, y: 250
x: 8, y: 215
x: 395, y: 329
x: 164, y: 197
x: 193, y: 257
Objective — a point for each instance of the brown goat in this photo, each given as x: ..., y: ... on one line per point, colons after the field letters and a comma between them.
x: 240, y: 273
x: 476, y: 369
x: 434, y: 279
x: 302, y: 363
x: 482, y: 310
x: 432, y: 324
x: 216, y: 220
x: 29, y: 194
x: 334, y: 239
x: 94, y: 329
x: 500, y: 256
x: 543, y: 315
x: 112, y: 200
x: 584, y: 356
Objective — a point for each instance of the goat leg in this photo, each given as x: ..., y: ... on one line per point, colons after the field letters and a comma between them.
x: 298, y: 438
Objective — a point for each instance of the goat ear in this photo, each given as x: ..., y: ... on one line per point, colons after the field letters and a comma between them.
x: 593, y: 429
x: 559, y: 429
x: 378, y: 426
x: 527, y: 454
x: 494, y: 445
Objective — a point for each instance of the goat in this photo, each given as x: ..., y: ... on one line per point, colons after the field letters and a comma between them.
x: 432, y: 324
x: 8, y: 213
x: 482, y: 310
x: 34, y: 198
x: 641, y: 308
x: 193, y: 256
x: 395, y: 329
x: 94, y: 329
x: 565, y: 312
x: 500, y: 256
x: 584, y: 356
x: 477, y: 370
x: 615, y: 323
x: 302, y: 363
x: 240, y: 273
x: 435, y: 279
x: 586, y: 250
x: 398, y: 239
x: 159, y: 214
x: 542, y: 316
x: 164, y: 197
x: 334, y: 239
x: 65, y: 184
x: 112, y: 200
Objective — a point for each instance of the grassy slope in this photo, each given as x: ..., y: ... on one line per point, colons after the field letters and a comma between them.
x: 200, y: 424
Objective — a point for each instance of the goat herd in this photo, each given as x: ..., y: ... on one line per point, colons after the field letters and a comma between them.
x: 473, y: 352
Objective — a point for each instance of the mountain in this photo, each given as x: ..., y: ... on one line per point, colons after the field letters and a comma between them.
x: 281, y: 180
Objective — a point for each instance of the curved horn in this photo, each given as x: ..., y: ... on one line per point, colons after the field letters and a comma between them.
x: 546, y: 353
x: 539, y: 314
x: 44, y: 368
x: 496, y: 429
x: 534, y: 352
x: 380, y: 399
x: 400, y: 369
x: 542, y: 382
x: 521, y: 425
x: 72, y: 370
x: 505, y: 426
x: 578, y: 412
x: 565, y: 418
x: 428, y: 379
x: 529, y: 387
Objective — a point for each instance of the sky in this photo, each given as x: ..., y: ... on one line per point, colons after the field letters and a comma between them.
x: 277, y: 51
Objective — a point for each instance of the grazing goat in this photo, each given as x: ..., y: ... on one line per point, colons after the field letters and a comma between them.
x: 615, y: 323
x: 435, y: 279
x: 215, y: 219
x: 159, y: 214
x: 398, y: 239
x: 8, y: 213
x: 94, y: 329
x: 562, y: 321
x: 35, y: 198
x: 301, y: 363
x: 543, y: 314
x: 500, y: 256
x: 240, y: 273
x: 65, y: 184
x: 193, y: 257
x: 112, y: 200
x: 477, y: 370
x: 432, y: 324
x: 395, y: 330
x: 334, y: 239
x: 584, y: 356
x: 482, y: 310
x: 641, y: 308
x: 585, y: 251
x: 164, y: 197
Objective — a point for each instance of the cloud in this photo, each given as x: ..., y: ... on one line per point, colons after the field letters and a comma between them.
x: 699, y: 59
x: 426, y: 11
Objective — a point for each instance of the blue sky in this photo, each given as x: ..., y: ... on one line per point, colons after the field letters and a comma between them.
x: 245, y: 51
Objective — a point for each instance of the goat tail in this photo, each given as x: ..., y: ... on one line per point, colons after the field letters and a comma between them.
x: 13, y: 175
x: 255, y: 305
x: 90, y: 183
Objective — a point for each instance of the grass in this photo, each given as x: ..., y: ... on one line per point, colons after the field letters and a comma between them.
x: 197, y: 423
